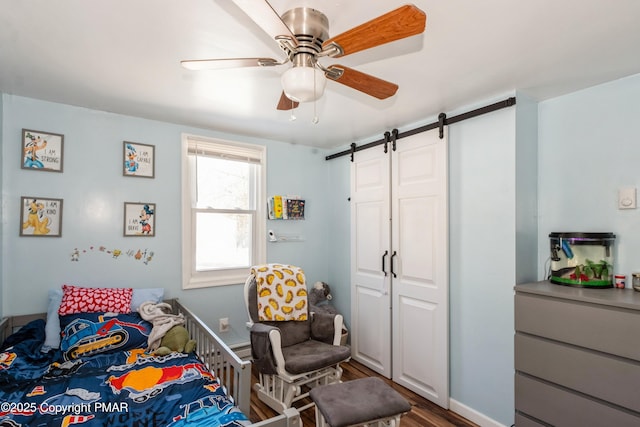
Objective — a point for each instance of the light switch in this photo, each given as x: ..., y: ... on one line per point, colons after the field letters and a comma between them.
x: 627, y: 198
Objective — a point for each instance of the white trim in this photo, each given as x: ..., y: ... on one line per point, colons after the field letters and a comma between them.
x: 232, y: 277
x: 186, y: 214
x: 473, y: 415
x: 229, y: 277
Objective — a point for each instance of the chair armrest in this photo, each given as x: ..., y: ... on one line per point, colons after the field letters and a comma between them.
x: 326, y: 327
x: 262, y: 350
x: 261, y: 328
x: 338, y: 326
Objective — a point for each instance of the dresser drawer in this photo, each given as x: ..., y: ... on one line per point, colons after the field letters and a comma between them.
x: 561, y: 408
x: 524, y: 421
x: 608, y: 378
x: 603, y: 328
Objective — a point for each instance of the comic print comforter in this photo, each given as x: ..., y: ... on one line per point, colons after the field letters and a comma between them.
x: 126, y: 388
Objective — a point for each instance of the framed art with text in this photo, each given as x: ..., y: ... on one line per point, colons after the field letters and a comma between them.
x: 138, y: 160
x: 42, y: 151
x: 139, y: 219
x: 40, y: 217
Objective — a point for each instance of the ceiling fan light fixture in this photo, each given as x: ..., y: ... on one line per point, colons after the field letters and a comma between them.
x: 303, y: 84
x: 303, y: 35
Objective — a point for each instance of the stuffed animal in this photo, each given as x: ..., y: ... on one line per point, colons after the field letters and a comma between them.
x: 319, y: 297
x: 176, y: 339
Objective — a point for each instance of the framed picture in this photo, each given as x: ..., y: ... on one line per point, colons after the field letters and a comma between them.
x: 138, y: 160
x: 42, y: 150
x: 40, y: 217
x: 139, y: 219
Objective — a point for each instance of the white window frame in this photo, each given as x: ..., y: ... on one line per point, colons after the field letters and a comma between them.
x: 192, y: 279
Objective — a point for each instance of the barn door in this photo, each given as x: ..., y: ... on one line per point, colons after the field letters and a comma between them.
x: 420, y: 291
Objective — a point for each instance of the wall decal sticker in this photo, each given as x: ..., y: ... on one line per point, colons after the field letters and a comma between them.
x: 143, y: 255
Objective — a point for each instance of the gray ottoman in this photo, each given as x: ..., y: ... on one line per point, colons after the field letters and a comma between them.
x: 363, y: 401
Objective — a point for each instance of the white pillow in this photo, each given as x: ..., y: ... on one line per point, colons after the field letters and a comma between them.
x: 52, y: 328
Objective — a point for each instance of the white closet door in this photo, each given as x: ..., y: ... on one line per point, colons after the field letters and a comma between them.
x: 420, y: 286
x: 370, y: 239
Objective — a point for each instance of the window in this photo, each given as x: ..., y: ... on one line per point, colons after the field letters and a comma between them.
x: 223, y: 219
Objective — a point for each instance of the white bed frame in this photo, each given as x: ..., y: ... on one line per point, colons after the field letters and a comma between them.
x: 234, y: 373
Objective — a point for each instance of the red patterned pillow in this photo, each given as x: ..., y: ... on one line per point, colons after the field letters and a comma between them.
x: 92, y: 300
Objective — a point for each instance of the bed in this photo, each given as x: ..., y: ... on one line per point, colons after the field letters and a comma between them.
x: 124, y: 386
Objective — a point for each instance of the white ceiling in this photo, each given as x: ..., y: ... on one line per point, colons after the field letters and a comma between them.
x: 123, y: 56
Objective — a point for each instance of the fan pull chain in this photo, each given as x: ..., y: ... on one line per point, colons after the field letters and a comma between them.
x: 315, y: 115
x: 292, y: 118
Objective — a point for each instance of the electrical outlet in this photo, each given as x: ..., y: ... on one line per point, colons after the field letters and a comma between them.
x: 224, y: 324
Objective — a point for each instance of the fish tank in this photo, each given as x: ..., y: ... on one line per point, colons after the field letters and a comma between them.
x: 582, y: 259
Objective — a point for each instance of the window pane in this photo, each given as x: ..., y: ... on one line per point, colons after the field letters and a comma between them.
x: 223, y: 240
x: 225, y: 184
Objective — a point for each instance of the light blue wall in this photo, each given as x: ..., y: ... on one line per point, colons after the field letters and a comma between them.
x: 339, y: 262
x: 94, y: 190
x: 300, y: 170
x: 589, y: 148
x: 482, y: 220
x: 493, y: 244
x: 526, y: 189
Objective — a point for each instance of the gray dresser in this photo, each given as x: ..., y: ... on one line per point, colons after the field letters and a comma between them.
x: 577, y: 356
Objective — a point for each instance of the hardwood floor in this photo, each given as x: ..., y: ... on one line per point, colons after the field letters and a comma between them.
x: 423, y: 412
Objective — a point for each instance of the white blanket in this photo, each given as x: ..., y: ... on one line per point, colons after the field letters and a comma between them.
x: 160, y: 316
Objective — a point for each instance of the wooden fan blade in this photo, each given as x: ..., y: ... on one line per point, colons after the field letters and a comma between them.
x: 403, y: 22
x: 363, y: 82
x: 286, y: 104
x: 219, y: 64
x: 261, y: 12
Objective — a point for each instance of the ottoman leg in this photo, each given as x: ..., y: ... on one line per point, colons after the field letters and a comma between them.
x: 320, y: 422
x: 386, y: 422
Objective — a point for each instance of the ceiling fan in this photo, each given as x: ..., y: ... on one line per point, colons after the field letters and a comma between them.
x: 302, y: 34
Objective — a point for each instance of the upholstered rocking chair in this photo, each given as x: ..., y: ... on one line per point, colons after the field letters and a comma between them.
x: 293, y: 356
